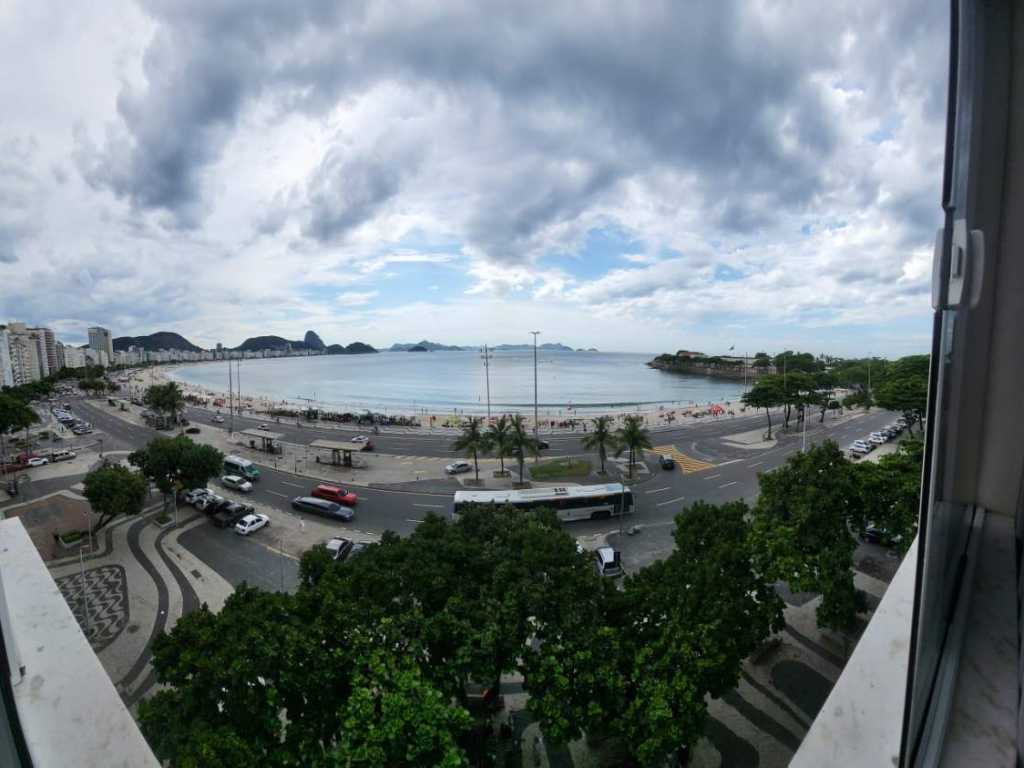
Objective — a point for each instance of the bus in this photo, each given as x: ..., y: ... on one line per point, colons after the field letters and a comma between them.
x: 578, y: 502
x: 236, y: 465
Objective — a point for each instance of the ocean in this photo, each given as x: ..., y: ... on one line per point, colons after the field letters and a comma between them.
x: 439, y: 382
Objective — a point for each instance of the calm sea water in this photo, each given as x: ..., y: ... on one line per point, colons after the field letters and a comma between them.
x: 446, y: 381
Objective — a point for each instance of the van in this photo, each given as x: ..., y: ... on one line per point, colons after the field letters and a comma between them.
x: 608, y: 562
x: 236, y: 465
x: 63, y: 455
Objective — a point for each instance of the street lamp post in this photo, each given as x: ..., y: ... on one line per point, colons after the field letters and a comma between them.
x: 536, y: 417
x: 487, y: 377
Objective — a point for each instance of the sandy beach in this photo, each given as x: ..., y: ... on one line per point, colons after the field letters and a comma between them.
x: 550, y: 420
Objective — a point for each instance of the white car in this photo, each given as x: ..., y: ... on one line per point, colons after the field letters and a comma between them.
x: 38, y: 461
x: 264, y: 427
x: 236, y: 482
x: 191, y: 497
x: 251, y: 523
x: 877, y: 439
x: 861, y: 447
x: 360, y: 439
x: 218, y: 419
x: 458, y: 467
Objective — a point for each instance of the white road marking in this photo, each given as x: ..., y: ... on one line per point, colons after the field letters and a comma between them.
x: 756, y: 464
x: 712, y: 477
x: 670, y: 501
x: 430, y: 506
x: 658, y: 490
x: 278, y: 494
x: 293, y: 485
x: 409, y: 520
x: 728, y: 484
x: 733, y: 461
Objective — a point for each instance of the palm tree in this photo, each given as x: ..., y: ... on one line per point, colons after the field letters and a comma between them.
x: 520, y: 442
x: 601, y: 438
x: 472, y: 441
x: 632, y: 436
x: 498, y: 439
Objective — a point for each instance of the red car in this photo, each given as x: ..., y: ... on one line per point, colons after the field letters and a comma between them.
x: 335, y: 493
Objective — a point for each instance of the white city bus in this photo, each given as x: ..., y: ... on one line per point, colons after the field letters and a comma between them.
x: 579, y: 502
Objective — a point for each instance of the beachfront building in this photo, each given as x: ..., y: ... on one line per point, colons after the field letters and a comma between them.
x: 23, y: 349
x: 74, y: 357
x: 6, y: 370
x: 101, y: 341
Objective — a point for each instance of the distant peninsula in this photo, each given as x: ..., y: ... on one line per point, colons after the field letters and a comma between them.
x: 311, y: 342
x: 426, y: 346
x: 549, y: 347
x: 699, y: 364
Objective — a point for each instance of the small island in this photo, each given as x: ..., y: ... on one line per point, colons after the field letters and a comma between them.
x: 716, y: 366
x: 417, y: 348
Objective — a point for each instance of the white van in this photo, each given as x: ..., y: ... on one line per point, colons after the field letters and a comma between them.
x: 608, y: 562
x: 236, y: 465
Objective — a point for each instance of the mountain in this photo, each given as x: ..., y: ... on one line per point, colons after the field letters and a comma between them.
x: 259, y: 343
x: 155, y: 342
x: 549, y: 347
x: 430, y: 346
x: 355, y: 348
x: 314, y: 342
x: 417, y: 348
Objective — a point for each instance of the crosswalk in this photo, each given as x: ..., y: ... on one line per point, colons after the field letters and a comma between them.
x: 687, y: 464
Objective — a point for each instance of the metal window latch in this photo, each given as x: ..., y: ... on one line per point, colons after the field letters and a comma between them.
x: 957, y: 275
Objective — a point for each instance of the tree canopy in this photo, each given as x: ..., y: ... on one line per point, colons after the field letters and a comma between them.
x: 166, y: 398
x: 114, y: 490
x: 905, y: 388
x: 472, y: 442
x: 178, y: 462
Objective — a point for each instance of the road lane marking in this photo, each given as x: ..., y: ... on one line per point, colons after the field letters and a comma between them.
x: 293, y: 485
x: 733, y: 461
x: 658, y: 490
x: 283, y: 496
x: 430, y: 506
x: 712, y: 477
x: 409, y: 520
x: 756, y: 464
x: 728, y: 484
x: 670, y: 501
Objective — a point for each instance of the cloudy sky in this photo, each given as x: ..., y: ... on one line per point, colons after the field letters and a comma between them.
x: 646, y: 176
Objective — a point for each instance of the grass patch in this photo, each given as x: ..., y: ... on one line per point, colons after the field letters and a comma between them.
x: 558, y: 469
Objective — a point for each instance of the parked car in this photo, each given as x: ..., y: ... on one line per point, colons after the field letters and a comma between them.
x: 667, y: 462
x: 37, y: 461
x: 458, y: 467
x: 192, y: 430
x: 193, y: 496
x: 542, y: 445
x: 323, y: 507
x: 862, y: 446
x: 62, y: 455
x: 338, y: 547
x: 231, y: 513
x: 237, y: 483
x: 251, y: 523
x: 877, y: 439
x: 608, y: 562
x: 335, y: 493
x: 876, y: 534
x: 218, y: 419
x: 360, y: 439
x: 358, y: 548
x: 210, y: 503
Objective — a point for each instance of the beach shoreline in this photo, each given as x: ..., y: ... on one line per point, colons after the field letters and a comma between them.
x: 550, y: 417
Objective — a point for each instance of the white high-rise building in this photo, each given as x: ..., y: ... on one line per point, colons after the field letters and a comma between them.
x: 74, y: 357
x: 100, y: 340
x: 47, y: 343
x: 24, y: 352
x: 6, y: 369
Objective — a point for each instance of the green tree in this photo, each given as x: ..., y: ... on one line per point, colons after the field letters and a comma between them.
x: 471, y: 442
x: 889, y: 493
x: 600, y: 439
x: 633, y: 437
x: 167, y: 399
x: 14, y: 415
x: 113, y: 491
x: 905, y: 388
x: 802, y: 530
x: 761, y: 360
x: 175, y: 463
x: 766, y: 393
x: 498, y: 439
x: 520, y: 443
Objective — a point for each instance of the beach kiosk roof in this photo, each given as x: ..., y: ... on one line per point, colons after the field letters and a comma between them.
x: 267, y: 439
x: 341, y: 450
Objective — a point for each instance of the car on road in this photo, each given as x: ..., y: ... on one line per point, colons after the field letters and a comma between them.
x: 360, y: 439
x: 861, y: 446
x: 251, y: 523
x: 231, y: 513
x: 218, y: 419
x: 37, y: 461
x: 264, y: 427
x: 323, y: 508
x: 236, y: 482
x: 458, y: 467
x: 62, y: 455
x: 335, y: 493
x: 608, y: 562
x: 543, y: 445
x: 667, y: 462
x: 193, y: 496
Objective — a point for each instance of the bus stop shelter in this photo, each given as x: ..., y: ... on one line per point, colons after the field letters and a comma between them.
x: 267, y: 440
x: 341, y: 451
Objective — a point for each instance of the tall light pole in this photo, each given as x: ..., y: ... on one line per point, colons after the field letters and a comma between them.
x: 536, y: 416
x: 487, y: 376
x: 231, y: 401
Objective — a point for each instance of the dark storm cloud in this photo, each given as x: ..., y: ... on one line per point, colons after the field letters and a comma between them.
x: 697, y: 88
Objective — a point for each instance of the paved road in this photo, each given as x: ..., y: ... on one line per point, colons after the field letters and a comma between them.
x: 659, y: 496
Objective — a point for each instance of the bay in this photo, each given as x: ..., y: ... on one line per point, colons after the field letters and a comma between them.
x: 438, y: 382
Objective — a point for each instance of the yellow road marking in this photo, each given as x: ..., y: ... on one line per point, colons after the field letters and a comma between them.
x: 687, y: 464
